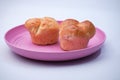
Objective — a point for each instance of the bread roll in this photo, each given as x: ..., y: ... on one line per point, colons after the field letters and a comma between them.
x: 75, y: 35
x: 43, y: 31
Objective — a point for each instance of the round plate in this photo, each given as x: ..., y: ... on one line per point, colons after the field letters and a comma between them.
x: 19, y: 41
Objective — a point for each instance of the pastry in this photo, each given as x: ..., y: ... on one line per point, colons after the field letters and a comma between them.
x: 75, y: 35
x: 43, y: 31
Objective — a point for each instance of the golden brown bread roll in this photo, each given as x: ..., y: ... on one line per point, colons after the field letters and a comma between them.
x: 43, y: 31
x: 75, y: 35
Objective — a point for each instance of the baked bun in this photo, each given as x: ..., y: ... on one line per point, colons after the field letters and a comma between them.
x: 43, y: 31
x: 75, y: 35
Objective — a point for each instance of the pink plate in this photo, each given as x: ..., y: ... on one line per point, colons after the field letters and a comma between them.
x: 19, y: 41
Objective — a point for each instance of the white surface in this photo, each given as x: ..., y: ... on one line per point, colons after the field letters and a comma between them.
x: 104, y: 65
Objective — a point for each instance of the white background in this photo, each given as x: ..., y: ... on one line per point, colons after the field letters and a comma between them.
x: 103, y: 65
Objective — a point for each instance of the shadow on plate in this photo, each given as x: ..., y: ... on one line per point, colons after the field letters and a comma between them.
x: 58, y: 63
